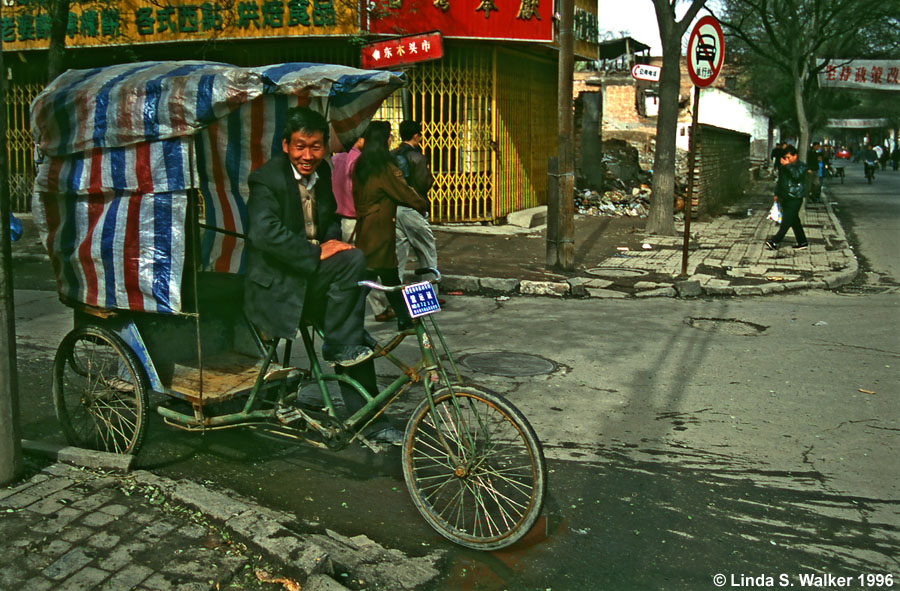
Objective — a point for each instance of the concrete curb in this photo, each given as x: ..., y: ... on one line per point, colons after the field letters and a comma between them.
x: 576, y: 287
x: 30, y: 257
x: 311, y: 558
x: 87, y: 458
x: 683, y: 288
x: 260, y: 529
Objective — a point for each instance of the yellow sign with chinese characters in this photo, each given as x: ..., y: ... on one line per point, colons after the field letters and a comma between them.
x: 25, y: 24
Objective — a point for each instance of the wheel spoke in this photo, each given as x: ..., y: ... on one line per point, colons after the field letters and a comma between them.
x: 117, y: 425
x: 99, y: 394
x: 494, y: 494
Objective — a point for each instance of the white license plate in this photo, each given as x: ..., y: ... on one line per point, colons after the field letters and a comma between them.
x: 420, y: 299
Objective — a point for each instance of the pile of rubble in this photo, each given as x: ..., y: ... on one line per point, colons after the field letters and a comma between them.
x: 617, y: 202
x: 626, y: 189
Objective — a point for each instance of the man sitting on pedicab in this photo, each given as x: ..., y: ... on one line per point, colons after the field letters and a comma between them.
x: 297, y: 267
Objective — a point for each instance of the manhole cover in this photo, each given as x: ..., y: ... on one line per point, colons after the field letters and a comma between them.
x: 727, y: 326
x: 615, y: 272
x: 507, y: 364
x: 863, y: 289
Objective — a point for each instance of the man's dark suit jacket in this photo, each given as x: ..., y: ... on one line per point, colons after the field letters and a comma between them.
x: 279, y: 257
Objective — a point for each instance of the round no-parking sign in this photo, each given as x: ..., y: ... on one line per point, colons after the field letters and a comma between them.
x: 706, y: 51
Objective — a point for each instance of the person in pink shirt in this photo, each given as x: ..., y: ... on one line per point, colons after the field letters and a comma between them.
x: 342, y: 166
x: 342, y: 185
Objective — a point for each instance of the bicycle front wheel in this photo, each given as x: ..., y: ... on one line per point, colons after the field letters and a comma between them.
x: 99, y: 391
x: 474, y: 468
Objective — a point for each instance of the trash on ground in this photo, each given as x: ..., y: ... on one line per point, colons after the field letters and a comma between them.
x: 820, y: 323
x: 864, y: 391
x: 646, y: 246
x: 622, y: 248
x: 502, y: 298
x: 775, y: 277
x: 264, y: 577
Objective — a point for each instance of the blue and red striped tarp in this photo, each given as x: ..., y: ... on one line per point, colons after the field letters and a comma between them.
x: 120, y: 148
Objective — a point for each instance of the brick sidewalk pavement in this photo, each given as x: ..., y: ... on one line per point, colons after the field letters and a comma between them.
x: 71, y: 528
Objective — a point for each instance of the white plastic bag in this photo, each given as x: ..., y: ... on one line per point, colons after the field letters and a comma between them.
x: 775, y: 213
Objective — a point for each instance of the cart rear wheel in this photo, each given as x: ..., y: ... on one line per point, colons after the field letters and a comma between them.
x: 99, y: 391
x: 474, y: 468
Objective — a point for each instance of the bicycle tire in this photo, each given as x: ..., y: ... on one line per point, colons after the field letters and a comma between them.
x: 100, y: 392
x: 494, y: 494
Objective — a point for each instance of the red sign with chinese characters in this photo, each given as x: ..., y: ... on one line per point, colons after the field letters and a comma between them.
x: 510, y: 20
x: 402, y: 51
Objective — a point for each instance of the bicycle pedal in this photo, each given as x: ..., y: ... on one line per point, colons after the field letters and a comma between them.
x: 373, y: 447
x: 289, y: 415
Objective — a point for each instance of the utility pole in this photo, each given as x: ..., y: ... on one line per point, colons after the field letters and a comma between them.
x: 10, y: 437
x: 561, y: 203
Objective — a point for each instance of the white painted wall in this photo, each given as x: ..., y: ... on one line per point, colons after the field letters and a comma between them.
x: 729, y: 112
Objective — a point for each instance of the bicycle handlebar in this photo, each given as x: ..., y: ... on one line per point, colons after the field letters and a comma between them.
x: 423, y: 271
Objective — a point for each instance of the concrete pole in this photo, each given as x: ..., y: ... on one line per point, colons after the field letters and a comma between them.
x: 10, y: 437
x: 561, y: 239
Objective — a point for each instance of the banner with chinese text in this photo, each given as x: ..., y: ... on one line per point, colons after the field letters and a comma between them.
x: 868, y: 74
x: 127, y: 22
x: 510, y: 20
x: 857, y: 123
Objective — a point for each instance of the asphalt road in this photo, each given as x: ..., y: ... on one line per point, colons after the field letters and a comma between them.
x: 746, y: 437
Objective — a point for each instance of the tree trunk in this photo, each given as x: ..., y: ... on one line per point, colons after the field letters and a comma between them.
x: 660, y: 219
x: 56, y: 53
x: 802, y: 119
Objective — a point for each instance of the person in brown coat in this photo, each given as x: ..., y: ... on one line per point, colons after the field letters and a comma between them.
x: 378, y: 187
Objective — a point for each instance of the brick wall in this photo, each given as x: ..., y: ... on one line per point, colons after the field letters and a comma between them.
x: 722, y: 169
x: 618, y: 106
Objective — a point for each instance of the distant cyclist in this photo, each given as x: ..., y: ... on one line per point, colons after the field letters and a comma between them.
x: 870, y: 162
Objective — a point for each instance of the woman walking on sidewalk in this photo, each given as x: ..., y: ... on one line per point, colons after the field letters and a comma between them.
x: 790, y: 188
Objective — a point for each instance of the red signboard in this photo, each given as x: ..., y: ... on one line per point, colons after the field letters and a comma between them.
x: 705, y: 51
x: 403, y: 50
x: 510, y: 20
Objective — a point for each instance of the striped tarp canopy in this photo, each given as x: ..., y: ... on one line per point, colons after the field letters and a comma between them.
x: 120, y: 147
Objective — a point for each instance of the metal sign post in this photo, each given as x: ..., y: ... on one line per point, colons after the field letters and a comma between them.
x: 705, y: 56
x: 689, y: 201
x: 10, y: 435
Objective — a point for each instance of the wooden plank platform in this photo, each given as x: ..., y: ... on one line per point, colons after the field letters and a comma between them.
x: 224, y: 376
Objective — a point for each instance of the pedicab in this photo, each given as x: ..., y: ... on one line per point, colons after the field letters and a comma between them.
x: 140, y: 200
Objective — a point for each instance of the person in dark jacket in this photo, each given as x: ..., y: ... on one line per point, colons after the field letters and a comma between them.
x: 790, y: 189
x: 298, y: 269
x: 775, y: 157
x: 413, y: 230
x: 378, y: 188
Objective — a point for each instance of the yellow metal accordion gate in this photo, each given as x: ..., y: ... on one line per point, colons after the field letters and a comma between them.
x: 488, y: 120
x: 19, y: 144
